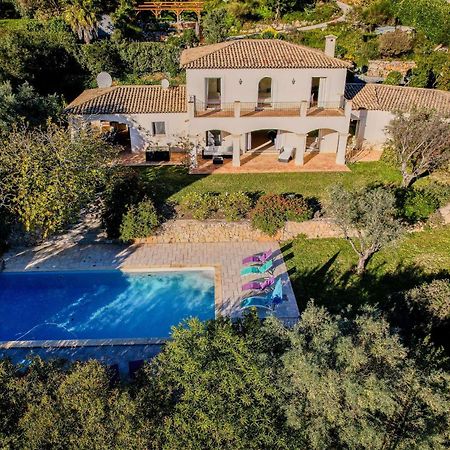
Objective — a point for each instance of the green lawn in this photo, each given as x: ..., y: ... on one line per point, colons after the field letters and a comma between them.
x: 173, y: 182
x: 323, y: 268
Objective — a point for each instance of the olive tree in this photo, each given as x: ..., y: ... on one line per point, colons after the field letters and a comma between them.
x: 368, y: 219
x: 350, y: 383
x: 420, y: 143
x: 47, y: 174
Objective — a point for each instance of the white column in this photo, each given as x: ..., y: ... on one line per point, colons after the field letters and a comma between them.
x: 237, y: 109
x: 236, y: 150
x: 342, y: 147
x: 303, y: 108
x: 300, y: 149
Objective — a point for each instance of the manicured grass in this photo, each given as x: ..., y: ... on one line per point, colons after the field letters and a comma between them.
x: 172, y: 182
x: 322, y: 269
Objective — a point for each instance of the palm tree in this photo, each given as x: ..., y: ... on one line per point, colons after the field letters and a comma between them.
x: 82, y: 17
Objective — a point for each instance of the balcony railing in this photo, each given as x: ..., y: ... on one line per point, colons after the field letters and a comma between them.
x: 211, y: 109
x: 267, y: 109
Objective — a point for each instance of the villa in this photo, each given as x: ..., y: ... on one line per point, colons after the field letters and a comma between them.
x: 247, y: 98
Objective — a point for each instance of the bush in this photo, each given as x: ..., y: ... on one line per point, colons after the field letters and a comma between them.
x: 272, y: 211
x: 395, y: 44
x: 297, y: 208
x: 101, y: 56
x: 150, y: 57
x: 200, y: 205
x: 394, y: 78
x: 234, y: 205
x: 123, y: 188
x: 140, y: 221
x: 416, y: 204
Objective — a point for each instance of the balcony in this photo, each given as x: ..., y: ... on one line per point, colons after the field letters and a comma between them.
x: 267, y: 109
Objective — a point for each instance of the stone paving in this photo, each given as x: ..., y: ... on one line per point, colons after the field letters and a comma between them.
x: 71, y: 255
x: 225, y: 257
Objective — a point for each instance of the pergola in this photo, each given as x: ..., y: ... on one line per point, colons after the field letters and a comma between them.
x: 178, y: 7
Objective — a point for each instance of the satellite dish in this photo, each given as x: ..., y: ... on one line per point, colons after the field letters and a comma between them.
x: 104, y: 80
x: 165, y: 83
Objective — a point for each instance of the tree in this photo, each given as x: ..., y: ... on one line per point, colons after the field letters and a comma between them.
x: 210, y: 388
x: 350, y: 383
x: 45, y: 57
x: 427, y: 16
x: 47, y: 176
x: 53, y: 405
x: 395, y: 44
x: 24, y: 104
x: 280, y: 7
x: 420, y: 142
x: 82, y: 17
x: 216, y: 26
x: 368, y: 219
x: 39, y: 9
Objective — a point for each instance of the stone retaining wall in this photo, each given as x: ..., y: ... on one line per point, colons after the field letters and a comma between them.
x: 194, y: 231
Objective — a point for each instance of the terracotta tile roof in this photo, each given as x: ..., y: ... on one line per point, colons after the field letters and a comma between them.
x: 258, y: 54
x: 130, y: 100
x: 396, y: 98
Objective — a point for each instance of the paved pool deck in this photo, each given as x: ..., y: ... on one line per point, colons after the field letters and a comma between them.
x: 225, y: 258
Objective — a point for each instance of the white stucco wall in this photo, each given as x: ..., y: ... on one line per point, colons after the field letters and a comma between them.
x: 140, y: 126
x: 371, y: 130
x: 283, y: 90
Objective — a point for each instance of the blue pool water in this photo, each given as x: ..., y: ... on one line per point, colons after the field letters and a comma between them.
x: 101, y: 304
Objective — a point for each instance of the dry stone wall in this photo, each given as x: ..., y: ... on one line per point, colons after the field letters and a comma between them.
x: 194, y: 231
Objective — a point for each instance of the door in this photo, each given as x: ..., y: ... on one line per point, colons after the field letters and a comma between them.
x: 213, y: 92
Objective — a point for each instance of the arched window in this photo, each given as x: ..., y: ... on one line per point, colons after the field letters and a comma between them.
x: 265, y: 92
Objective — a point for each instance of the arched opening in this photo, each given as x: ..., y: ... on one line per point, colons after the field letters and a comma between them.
x: 265, y: 92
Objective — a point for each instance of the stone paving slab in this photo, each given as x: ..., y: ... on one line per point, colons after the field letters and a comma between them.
x: 226, y: 259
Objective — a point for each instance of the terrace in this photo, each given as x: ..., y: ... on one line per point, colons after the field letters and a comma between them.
x: 267, y: 109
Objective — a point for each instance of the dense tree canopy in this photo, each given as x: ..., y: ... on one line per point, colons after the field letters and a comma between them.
x: 24, y: 104
x: 47, y: 176
x: 331, y: 382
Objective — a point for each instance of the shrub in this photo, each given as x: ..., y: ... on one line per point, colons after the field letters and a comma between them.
x: 272, y: 211
x: 149, y: 57
x: 123, y: 188
x: 140, y: 221
x: 395, y: 44
x: 234, y: 205
x: 200, y: 205
x: 297, y: 208
x: 394, y: 78
x: 416, y: 204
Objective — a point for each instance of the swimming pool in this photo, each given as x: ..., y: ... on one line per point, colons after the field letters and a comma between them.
x: 99, y: 304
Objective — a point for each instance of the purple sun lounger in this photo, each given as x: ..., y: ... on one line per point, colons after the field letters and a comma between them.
x: 261, y: 258
x: 258, y: 285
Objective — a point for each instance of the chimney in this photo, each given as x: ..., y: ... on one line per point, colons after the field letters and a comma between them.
x: 330, y: 45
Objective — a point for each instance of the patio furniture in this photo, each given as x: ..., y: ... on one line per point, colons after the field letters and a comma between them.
x: 260, y: 258
x: 218, y: 160
x: 157, y: 155
x: 286, y: 154
x: 266, y: 267
x: 270, y: 301
x: 258, y: 285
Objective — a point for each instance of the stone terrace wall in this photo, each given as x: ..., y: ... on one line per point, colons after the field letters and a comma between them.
x: 195, y: 231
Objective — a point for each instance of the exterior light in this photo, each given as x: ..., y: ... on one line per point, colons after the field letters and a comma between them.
x: 240, y: 80
x: 293, y: 80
